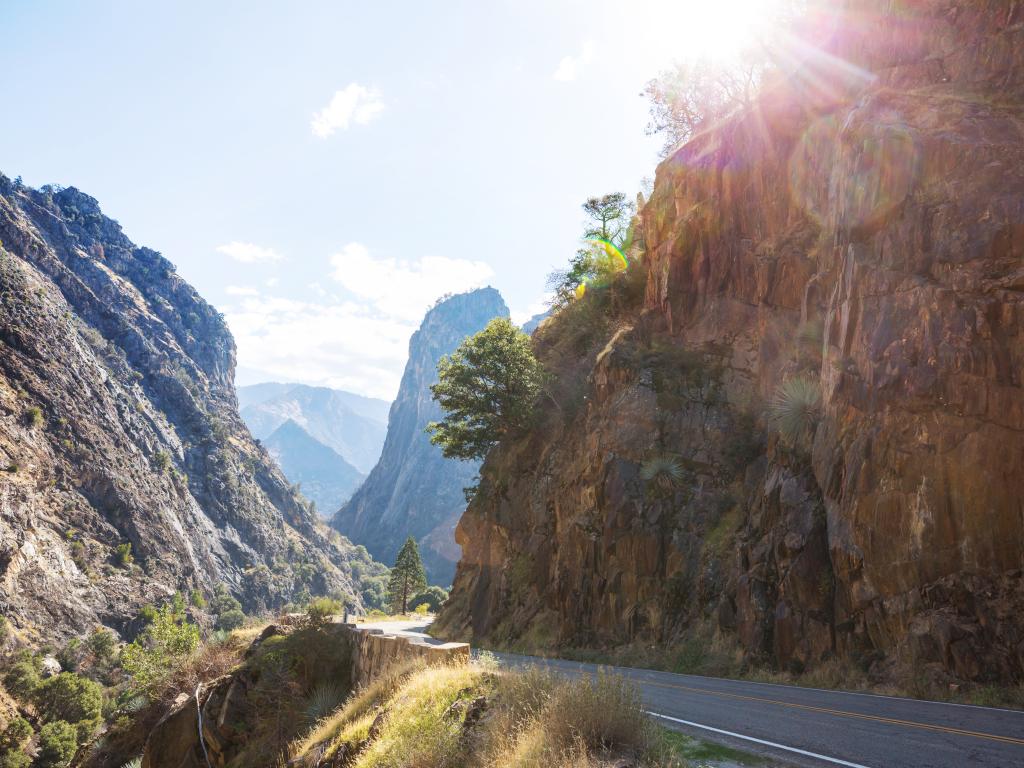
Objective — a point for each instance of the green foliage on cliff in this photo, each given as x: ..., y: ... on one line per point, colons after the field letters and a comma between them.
x: 407, y: 577
x: 487, y: 388
x: 58, y: 742
x: 164, y: 644
x: 72, y: 698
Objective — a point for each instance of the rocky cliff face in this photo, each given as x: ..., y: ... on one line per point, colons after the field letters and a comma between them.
x: 119, y: 426
x: 414, y: 490
x: 861, y: 231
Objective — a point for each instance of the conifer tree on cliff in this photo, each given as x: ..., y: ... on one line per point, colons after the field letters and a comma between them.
x: 408, y: 578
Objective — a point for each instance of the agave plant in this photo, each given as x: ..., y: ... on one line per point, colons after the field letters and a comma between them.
x: 665, y: 471
x: 796, y: 408
x: 324, y: 699
x: 135, y: 763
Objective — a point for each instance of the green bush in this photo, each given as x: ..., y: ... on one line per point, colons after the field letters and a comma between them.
x: 162, y: 461
x: 101, y: 644
x: 17, y: 732
x: 123, y: 554
x: 321, y: 610
x: 432, y: 597
x: 148, y: 613
x: 58, y: 742
x: 5, y: 630
x: 14, y: 759
x: 197, y: 599
x: 796, y: 408
x: 71, y: 698
x: 34, y: 416
x: 227, y: 609
x: 165, y: 644
x: 22, y: 678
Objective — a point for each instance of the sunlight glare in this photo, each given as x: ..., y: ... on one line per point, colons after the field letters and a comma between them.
x: 665, y: 31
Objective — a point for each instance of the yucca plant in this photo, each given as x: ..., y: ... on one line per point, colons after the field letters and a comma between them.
x: 324, y: 699
x: 796, y: 408
x: 665, y: 471
x: 135, y: 763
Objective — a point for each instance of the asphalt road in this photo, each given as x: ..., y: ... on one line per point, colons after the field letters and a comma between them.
x: 811, y: 727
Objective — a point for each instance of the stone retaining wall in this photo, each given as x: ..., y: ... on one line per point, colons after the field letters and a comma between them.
x: 374, y: 650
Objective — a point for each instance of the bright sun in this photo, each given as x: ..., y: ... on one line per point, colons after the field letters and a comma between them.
x: 664, y: 31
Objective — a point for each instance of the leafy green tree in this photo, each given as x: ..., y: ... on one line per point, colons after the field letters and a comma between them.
x: 17, y: 732
x: 154, y: 655
x: 432, y: 597
x: 487, y: 388
x: 407, y: 577
x: 607, y: 230
x: 71, y: 698
x: 320, y: 611
x: 58, y: 742
x: 227, y: 609
x: 14, y: 758
x: 101, y: 644
x: 22, y: 677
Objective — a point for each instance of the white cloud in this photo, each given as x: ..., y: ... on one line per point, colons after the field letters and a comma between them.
x: 570, y: 66
x: 353, y: 104
x: 344, y: 345
x: 359, y: 343
x: 248, y: 253
x: 404, y: 289
x: 241, y: 290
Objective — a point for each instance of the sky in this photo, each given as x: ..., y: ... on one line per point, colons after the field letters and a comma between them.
x: 323, y: 171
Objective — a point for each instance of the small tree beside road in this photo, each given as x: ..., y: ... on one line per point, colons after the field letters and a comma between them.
x: 408, y: 578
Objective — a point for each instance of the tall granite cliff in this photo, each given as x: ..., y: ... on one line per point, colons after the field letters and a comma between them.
x: 119, y: 426
x: 414, y: 490
x: 853, y: 246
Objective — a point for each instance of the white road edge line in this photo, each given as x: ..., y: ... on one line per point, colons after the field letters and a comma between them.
x: 804, y: 752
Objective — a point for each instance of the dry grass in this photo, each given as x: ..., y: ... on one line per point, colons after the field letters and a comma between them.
x: 531, y: 718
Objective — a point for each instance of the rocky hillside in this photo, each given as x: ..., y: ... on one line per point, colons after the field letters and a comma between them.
x: 414, y: 490
x: 807, y: 438
x: 325, y: 478
x: 125, y: 470
x: 352, y: 425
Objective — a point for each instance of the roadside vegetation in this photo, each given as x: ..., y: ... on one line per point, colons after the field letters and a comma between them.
x: 477, y: 715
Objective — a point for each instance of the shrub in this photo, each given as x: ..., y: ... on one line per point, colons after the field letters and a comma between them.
x: 22, y: 678
x: 432, y: 597
x: 101, y: 644
x: 422, y: 609
x: 796, y: 408
x: 151, y: 658
x: 123, y: 554
x: 227, y: 608
x: 5, y: 630
x: 162, y: 461
x: 325, y: 698
x: 665, y: 471
x: 34, y: 416
x: 320, y: 611
x: 17, y: 732
x: 58, y: 742
x: 14, y: 759
x: 197, y: 599
x: 148, y: 613
x: 70, y: 697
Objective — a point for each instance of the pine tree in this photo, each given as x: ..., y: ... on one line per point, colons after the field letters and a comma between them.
x: 408, y: 578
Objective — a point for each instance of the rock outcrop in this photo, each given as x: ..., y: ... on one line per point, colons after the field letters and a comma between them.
x: 414, y: 490
x: 860, y: 231
x: 119, y: 428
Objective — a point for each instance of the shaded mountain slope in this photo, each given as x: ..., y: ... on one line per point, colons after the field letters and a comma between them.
x: 352, y: 425
x: 325, y: 477
x: 414, y: 490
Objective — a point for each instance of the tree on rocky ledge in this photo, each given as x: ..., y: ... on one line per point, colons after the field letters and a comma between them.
x: 408, y: 578
x: 487, y: 388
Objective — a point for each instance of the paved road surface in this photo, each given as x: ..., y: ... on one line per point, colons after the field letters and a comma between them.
x: 810, y: 727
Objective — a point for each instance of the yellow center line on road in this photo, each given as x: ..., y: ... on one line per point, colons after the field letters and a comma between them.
x: 842, y: 713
